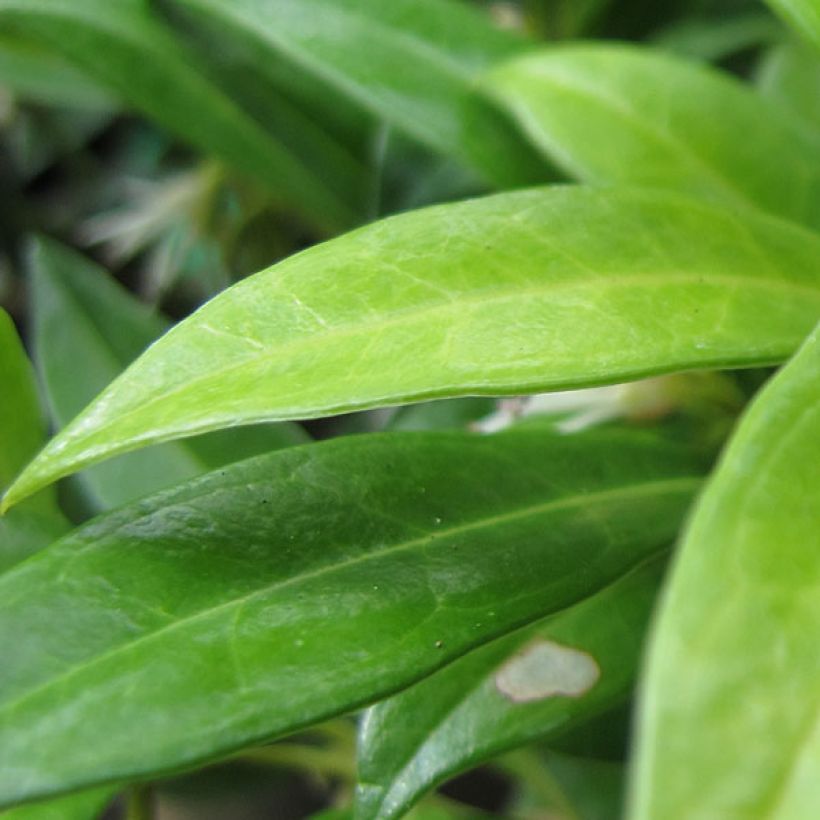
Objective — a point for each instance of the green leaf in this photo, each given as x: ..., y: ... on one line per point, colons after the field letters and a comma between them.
x: 125, y: 47
x: 729, y: 719
x: 282, y: 590
x: 510, y: 294
x: 534, y: 682
x: 34, y: 73
x: 790, y: 75
x: 629, y: 115
x: 38, y: 522
x: 417, y: 71
x: 804, y: 15
x: 87, y: 805
x: 80, y: 314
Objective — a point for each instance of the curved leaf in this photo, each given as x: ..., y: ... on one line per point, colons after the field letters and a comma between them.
x: 630, y: 115
x: 804, y: 15
x: 276, y: 592
x: 79, y: 314
x: 510, y: 294
x: 126, y: 48
x: 729, y: 720
x: 417, y: 72
x: 465, y: 714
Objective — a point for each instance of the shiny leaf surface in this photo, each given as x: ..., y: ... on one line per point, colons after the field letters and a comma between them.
x: 729, y: 720
x: 125, y: 47
x: 80, y: 314
x: 281, y: 590
x: 510, y: 294
x: 526, y: 685
x: 418, y: 71
x: 630, y: 115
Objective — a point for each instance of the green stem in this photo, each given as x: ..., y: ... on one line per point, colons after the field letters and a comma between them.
x: 140, y: 803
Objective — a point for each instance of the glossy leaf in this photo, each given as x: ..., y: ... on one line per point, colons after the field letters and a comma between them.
x: 417, y: 72
x: 804, y: 15
x: 124, y: 46
x: 510, y: 294
x: 38, y: 522
x: 790, y: 76
x: 281, y: 590
x: 729, y: 719
x: 80, y: 314
x: 628, y: 115
x: 534, y: 682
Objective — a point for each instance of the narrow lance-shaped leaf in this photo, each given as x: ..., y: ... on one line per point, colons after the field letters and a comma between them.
x: 279, y: 591
x: 81, y: 315
x: 417, y: 71
x: 804, y: 15
x: 630, y: 115
x: 22, y: 431
x: 526, y: 685
x: 729, y: 720
x: 516, y: 293
x: 125, y: 47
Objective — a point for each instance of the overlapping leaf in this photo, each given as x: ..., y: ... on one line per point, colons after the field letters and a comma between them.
x: 80, y: 315
x: 417, y: 70
x: 505, y: 694
x: 729, y: 720
x: 126, y: 48
x: 87, y: 805
x: 515, y: 293
x: 281, y: 590
x: 790, y: 75
x: 628, y: 115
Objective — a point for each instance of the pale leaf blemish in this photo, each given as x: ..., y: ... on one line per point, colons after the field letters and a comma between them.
x: 544, y: 669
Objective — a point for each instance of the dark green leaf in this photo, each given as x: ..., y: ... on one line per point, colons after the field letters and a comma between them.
x: 269, y: 595
x: 509, y: 294
x: 536, y: 681
x: 729, y: 718
x: 628, y: 115
x: 81, y: 315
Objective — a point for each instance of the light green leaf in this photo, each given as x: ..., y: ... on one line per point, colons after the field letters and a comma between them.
x: 38, y: 522
x: 125, y: 47
x: 790, y: 75
x: 629, y: 115
x: 80, y: 314
x: 804, y: 15
x: 729, y: 719
x: 282, y: 590
x: 417, y: 72
x: 516, y: 293
x: 87, y: 805
x: 534, y: 682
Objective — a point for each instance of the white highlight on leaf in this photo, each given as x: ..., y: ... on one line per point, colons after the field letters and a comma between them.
x: 545, y: 669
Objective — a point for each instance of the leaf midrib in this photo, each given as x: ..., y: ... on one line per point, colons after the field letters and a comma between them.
x: 684, y: 485
x: 458, y: 304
